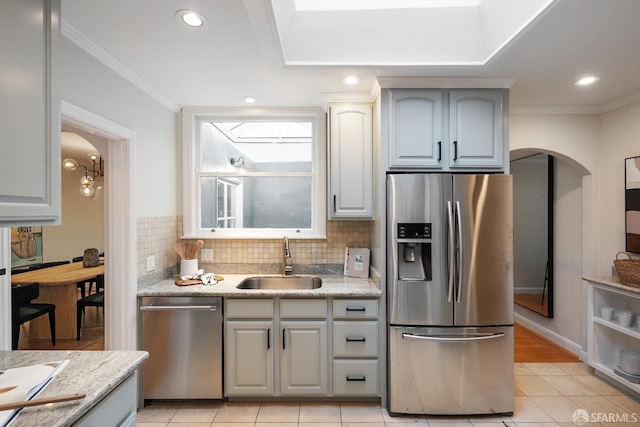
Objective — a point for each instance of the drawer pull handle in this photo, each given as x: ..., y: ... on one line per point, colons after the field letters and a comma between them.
x: 358, y: 378
x: 356, y: 309
x: 359, y: 339
x: 269, y: 339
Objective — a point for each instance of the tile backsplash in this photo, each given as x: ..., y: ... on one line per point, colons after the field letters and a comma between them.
x: 156, y: 236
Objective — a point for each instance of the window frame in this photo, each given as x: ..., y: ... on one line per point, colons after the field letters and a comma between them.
x: 192, y: 117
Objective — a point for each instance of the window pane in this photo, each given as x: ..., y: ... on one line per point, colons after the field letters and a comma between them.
x: 261, y: 146
x: 220, y: 199
x: 259, y: 202
x: 208, y: 217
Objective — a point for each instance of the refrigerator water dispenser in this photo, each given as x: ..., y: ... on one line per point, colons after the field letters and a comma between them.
x: 414, y: 263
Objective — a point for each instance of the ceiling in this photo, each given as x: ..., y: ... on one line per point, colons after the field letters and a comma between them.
x: 242, y: 51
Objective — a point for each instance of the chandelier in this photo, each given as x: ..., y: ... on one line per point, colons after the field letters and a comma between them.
x: 91, y: 172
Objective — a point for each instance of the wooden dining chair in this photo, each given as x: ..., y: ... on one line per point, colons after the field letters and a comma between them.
x: 23, y: 310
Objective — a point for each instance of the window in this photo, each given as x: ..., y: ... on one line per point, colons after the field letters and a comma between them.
x: 254, y: 175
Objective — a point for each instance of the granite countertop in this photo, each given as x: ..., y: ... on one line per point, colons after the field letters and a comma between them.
x: 332, y: 286
x: 612, y: 281
x: 94, y: 373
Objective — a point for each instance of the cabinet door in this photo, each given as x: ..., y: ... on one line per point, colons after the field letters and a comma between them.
x: 30, y: 166
x: 303, y: 367
x: 249, y: 358
x: 415, y: 128
x: 351, y: 164
x: 476, y: 128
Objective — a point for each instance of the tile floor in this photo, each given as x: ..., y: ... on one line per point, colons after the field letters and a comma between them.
x: 546, y: 394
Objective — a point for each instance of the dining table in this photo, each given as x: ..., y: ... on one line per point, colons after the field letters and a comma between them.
x: 59, y: 286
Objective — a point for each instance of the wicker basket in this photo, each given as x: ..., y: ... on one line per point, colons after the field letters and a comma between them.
x: 628, y: 270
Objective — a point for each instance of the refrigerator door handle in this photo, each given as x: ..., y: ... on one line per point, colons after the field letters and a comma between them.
x: 461, y: 338
x: 459, y: 263
x: 451, y: 250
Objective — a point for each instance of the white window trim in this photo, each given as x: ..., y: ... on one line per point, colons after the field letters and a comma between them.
x: 192, y: 116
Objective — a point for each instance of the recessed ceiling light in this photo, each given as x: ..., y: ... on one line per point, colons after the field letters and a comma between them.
x: 250, y: 99
x: 191, y: 18
x: 584, y: 81
x: 351, y: 80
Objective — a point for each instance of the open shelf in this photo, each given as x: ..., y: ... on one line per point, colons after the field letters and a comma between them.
x: 632, y: 331
x: 607, y: 338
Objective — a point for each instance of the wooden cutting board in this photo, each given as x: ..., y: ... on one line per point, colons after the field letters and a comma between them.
x: 189, y: 282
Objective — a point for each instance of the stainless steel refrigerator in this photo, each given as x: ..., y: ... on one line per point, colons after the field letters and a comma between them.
x: 450, y: 294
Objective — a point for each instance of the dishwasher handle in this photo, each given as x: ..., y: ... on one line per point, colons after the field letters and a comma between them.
x: 179, y: 308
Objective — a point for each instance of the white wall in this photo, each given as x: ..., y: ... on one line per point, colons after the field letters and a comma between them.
x: 87, y: 83
x: 620, y: 134
x: 82, y: 220
x: 594, y: 148
x: 574, y: 141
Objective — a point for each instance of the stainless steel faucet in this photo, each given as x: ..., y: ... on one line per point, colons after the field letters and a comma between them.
x: 287, y: 266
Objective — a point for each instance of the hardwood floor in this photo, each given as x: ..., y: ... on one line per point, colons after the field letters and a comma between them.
x: 529, y: 346
x: 92, y: 337
x: 533, y: 302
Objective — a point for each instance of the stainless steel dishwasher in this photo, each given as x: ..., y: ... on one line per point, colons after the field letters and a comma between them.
x: 183, y: 336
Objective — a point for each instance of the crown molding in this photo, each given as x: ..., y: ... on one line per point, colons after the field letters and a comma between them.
x: 445, y: 82
x: 95, y: 50
x: 576, y: 109
x: 553, y: 109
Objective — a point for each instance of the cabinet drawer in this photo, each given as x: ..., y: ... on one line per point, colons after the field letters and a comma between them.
x: 303, y: 309
x: 355, y: 339
x: 355, y: 309
x: 249, y: 309
x: 355, y: 377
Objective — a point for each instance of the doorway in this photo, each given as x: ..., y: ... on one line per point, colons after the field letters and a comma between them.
x: 120, y: 228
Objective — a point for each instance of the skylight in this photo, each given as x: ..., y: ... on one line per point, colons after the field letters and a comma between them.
x: 365, y: 33
x: 333, y: 5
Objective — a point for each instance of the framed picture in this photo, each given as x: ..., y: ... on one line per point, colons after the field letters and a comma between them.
x: 26, y: 246
x: 632, y: 203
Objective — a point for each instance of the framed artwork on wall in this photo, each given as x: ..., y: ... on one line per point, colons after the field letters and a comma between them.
x: 632, y: 203
x: 26, y: 246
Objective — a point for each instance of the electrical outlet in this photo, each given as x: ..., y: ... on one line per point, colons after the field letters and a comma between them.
x: 151, y: 263
x: 206, y: 255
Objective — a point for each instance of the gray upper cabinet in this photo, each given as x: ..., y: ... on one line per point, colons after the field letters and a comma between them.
x: 476, y: 128
x: 351, y: 161
x: 456, y: 129
x: 415, y: 128
x: 30, y: 167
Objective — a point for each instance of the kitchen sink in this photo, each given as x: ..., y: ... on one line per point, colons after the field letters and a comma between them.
x: 281, y: 282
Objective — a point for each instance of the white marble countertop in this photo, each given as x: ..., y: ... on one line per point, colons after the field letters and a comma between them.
x: 332, y: 286
x: 94, y: 373
x: 612, y: 281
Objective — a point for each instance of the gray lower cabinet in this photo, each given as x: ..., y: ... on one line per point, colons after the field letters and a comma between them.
x: 298, y: 347
x: 355, y: 348
x: 118, y: 408
x: 249, y: 358
x: 303, y: 361
x: 271, y: 351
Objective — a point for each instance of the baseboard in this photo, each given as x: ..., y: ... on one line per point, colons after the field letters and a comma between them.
x: 554, y: 337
